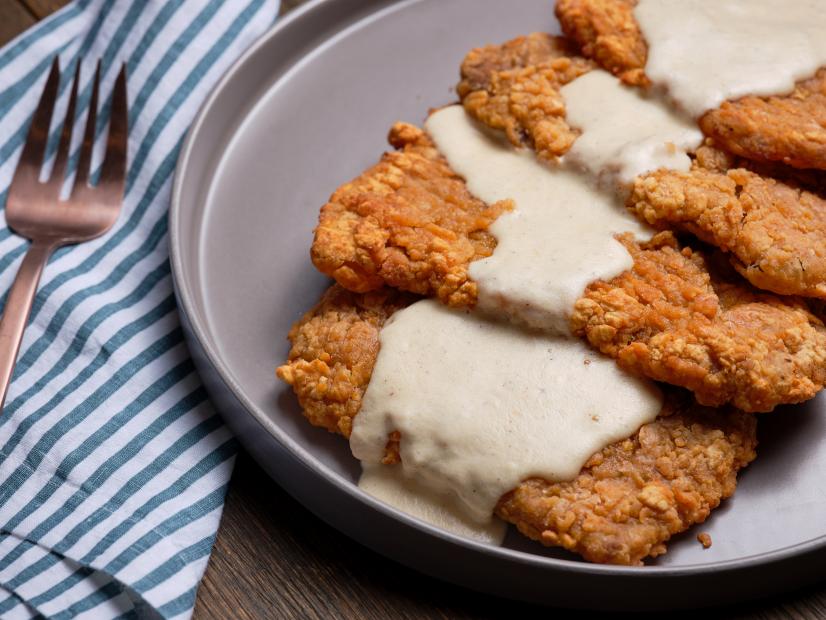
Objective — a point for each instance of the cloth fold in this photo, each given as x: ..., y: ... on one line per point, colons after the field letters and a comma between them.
x: 113, y: 464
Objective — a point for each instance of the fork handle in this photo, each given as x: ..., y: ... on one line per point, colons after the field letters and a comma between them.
x: 17, y: 310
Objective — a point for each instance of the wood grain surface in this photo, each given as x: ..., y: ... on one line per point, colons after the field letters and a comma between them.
x: 273, y: 559
x: 14, y: 18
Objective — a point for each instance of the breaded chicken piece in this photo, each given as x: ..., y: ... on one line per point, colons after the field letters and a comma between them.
x: 788, y: 128
x: 482, y: 63
x: 666, y: 319
x: 775, y: 232
x: 678, y: 318
x: 629, y: 499
x: 607, y: 31
x: 408, y: 222
x: 334, y: 348
x: 514, y: 87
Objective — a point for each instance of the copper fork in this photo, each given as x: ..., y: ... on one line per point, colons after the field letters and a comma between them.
x: 36, y: 211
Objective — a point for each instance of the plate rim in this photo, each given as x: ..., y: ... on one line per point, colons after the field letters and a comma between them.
x: 200, y: 331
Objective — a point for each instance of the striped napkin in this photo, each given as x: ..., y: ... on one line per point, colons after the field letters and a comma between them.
x: 113, y: 464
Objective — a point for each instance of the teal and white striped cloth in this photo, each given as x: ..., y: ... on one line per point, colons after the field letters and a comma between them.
x: 113, y: 464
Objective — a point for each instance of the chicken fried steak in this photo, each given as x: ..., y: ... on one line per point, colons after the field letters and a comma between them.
x: 514, y: 87
x: 606, y: 31
x: 408, y: 222
x: 334, y: 348
x: 627, y: 501
x: 775, y: 232
x: 789, y: 128
x: 665, y: 319
x: 773, y: 228
x: 678, y: 318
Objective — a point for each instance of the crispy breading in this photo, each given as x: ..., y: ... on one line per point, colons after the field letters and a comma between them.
x: 710, y: 157
x: 627, y: 501
x: 481, y: 64
x: 665, y: 319
x: 334, y: 348
x: 607, y: 31
x: 774, y: 232
x: 408, y: 222
x: 514, y: 87
x: 675, y: 317
x: 788, y: 128
x: 631, y: 497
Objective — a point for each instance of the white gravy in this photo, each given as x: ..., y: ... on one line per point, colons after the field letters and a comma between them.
x: 559, y: 238
x: 702, y: 52
x: 392, y: 486
x: 482, y: 405
x: 624, y: 133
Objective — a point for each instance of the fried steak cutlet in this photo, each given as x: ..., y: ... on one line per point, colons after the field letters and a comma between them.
x: 334, y: 348
x: 408, y: 222
x: 628, y: 500
x: 664, y: 319
x: 607, y: 31
x: 773, y: 229
x: 631, y: 497
x: 774, y: 232
x: 678, y: 317
x: 514, y: 87
x: 789, y: 128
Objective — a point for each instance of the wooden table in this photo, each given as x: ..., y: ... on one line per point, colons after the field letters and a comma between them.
x: 273, y: 559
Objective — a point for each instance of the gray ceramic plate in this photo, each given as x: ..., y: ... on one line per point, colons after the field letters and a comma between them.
x: 306, y: 109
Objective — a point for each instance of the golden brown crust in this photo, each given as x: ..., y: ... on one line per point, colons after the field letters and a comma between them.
x: 761, y: 352
x: 408, y: 222
x: 675, y: 318
x: 607, y: 31
x: 628, y: 500
x: 631, y: 497
x: 514, y: 87
x: 775, y: 232
x: 334, y: 348
x: 710, y: 157
x: 482, y: 63
x: 790, y: 129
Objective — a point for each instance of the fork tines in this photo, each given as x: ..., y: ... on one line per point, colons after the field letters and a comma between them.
x: 113, y: 169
